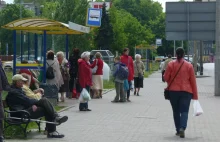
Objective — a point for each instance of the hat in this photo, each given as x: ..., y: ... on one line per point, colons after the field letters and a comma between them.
x: 18, y: 77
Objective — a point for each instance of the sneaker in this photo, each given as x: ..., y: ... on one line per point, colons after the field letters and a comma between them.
x: 114, y: 101
x: 55, y: 134
x: 128, y: 100
x: 177, y: 134
x: 182, y: 133
x: 137, y: 94
x: 88, y: 109
x: 82, y: 109
x: 134, y: 92
x: 62, y: 119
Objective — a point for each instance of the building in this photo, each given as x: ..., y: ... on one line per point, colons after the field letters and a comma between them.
x: 2, y: 4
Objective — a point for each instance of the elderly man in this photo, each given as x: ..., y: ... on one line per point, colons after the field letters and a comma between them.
x: 4, y: 85
x: 17, y: 100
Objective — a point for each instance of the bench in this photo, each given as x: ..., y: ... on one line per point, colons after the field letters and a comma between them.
x: 21, y: 121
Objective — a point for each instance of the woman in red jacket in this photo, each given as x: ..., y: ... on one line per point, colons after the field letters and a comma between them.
x: 85, y: 77
x: 181, y: 81
x: 128, y: 61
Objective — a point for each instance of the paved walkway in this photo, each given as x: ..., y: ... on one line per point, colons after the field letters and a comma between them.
x: 148, y: 118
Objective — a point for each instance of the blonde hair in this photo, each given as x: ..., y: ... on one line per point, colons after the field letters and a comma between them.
x: 98, y: 55
x: 137, y: 56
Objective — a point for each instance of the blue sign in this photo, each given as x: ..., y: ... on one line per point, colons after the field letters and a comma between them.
x: 159, y: 42
x: 94, y: 17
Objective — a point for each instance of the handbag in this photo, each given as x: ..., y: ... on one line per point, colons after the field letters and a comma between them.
x: 166, y: 91
x: 140, y: 75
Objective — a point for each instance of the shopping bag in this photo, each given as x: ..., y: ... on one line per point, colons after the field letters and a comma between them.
x: 197, y: 108
x: 84, y: 96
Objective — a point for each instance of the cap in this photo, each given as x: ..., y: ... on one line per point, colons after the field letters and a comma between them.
x: 18, y: 77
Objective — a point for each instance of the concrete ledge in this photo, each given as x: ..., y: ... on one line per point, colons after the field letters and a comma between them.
x: 202, y: 76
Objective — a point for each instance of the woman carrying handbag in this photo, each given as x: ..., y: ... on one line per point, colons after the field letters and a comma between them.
x: 181, y: 81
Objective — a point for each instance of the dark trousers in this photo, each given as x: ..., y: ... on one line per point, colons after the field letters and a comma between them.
x: 84, y: 105
x: 162, y: 75
x: 180, y: 102
x: 45, y: 108
x: 119, y: 87
x: 129, y: 90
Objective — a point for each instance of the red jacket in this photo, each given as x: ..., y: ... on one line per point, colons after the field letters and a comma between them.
x: 84, y: 73
x: 128, y: 61
x: 99, y: 64
x: 185, y: 79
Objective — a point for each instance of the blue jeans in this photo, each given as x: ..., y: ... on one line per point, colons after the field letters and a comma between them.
x: 180, y: 102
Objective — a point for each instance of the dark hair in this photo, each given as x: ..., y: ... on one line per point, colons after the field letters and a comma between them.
x: 50, y: 55
x: 169, y: 56
x: 76, y: 51
x: 179, y: 53
x: 125, y: 50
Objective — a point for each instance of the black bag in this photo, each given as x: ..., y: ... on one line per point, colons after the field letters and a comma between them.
x: 50, y: 72
x: 166, y: 91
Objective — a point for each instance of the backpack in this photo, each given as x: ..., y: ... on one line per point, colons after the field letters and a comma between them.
x: 50, y: 72
x: 122, y: 72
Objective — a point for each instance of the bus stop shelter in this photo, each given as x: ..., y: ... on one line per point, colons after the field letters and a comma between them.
x: 44, y: 27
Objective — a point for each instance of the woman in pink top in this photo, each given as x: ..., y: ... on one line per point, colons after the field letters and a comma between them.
x: 181, y: 91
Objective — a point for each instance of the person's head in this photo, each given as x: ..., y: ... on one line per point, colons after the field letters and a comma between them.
x: 76, y: 52
x: 18, y: 80
x: 169, y: 56
x: 98, y: 55
x: 179, y: 53
x: 50, y: 55
x: 126, y: 51
x: 137, y: 57
x: 26, y: 82
x: 60, y: 56
x: 85, y: 55
x: 117, y: 59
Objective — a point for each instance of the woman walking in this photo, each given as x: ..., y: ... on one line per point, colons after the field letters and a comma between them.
x: 128, y: 61
x: 181, y: 81
x: 64, y: 69
x: 85, y: 77
x: 138, y: 74
x: 97, y: 77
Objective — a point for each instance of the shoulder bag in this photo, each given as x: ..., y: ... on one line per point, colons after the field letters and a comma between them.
x: 166, y: 91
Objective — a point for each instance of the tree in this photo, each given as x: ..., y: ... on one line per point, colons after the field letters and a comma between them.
x: 9, y: 14
x: 105, y: 32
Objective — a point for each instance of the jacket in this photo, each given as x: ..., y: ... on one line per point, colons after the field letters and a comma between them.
x: 17, y: 100
x: 138, y: 68
x: 85, y: 74
x: 115, y: 71
x: 128, y: 61
x: 166, y: 63
x: 185, y: 79
x: 30, y: 94
x: 73, y: 65
x: 100, y: 65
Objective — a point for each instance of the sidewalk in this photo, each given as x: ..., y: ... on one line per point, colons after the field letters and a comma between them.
x: 148, y: 118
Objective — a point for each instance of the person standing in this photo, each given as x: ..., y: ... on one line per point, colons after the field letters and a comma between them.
x: 4, y: 85
x: 182, y: 87
x: 138, y: 74
x: 97, y: 77
x: 85, y: 77
x: 64, y: 69
x: 128, y: 61
x: 165, y: 66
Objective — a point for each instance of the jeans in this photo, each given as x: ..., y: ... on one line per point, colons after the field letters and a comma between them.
x: 128, y: 92
x: 84, y: 105
x: 180, y: 102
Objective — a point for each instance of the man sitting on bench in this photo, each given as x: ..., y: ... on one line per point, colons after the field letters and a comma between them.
x: 17, y: 100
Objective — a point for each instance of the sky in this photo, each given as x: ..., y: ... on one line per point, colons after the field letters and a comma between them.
x: 160, y: 1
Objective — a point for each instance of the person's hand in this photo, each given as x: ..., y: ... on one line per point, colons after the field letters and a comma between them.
x: 34, y: 108
x: 41, y: 90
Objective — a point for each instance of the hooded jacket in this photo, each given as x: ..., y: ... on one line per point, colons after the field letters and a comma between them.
x: 85, y: 73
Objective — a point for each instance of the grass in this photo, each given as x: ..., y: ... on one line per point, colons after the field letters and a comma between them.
x: 109, y: 84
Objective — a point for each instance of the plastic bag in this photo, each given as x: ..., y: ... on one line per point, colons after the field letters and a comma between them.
x: 84, y: 96
x: 197, y: 108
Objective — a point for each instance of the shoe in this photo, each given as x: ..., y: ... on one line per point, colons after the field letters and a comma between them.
x: 121, y: 101
x: 62, y: 119
x: 55, y: 134
x: 88, y: 109
x: 182, y: 133
x: 177, y: 134
x: 82, y: 109
x: 134, y: 92
x: 114, y: 101
x: 137, y: 94
x: 128, y: 100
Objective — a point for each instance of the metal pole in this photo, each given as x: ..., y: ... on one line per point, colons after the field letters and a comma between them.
x: 21, y: 45
x: 174, y: 50
x: 44, y: 53
x: 35, y: 46
x: 195, y: 57
x: 15, y: 50
x: 67, y: 46
x: 28, y: 46
x: 201, y: 57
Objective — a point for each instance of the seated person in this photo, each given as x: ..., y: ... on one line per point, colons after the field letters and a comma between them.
x: 17, y: 100
x: 36, y: 94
